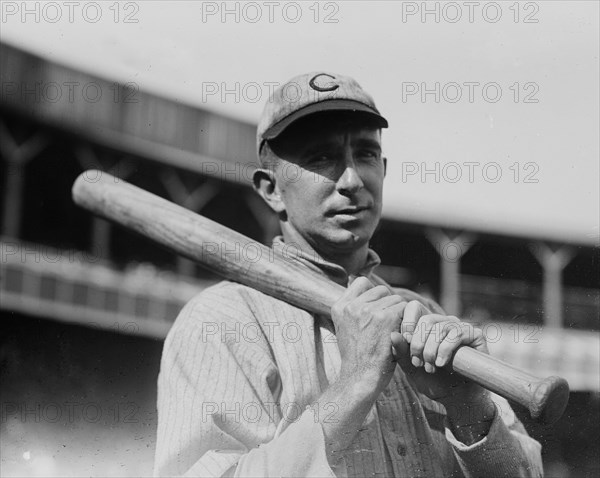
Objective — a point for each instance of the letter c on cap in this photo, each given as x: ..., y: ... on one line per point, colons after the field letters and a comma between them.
x: 316, y: 87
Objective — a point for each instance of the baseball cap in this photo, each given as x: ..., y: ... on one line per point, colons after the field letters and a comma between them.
x: 312, y: 93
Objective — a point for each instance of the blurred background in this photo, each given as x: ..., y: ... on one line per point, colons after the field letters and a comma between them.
x: 491, y: 197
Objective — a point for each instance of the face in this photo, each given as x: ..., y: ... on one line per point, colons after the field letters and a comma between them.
x: 329, y: 182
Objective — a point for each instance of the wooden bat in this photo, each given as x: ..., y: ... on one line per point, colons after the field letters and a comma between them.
x: 210, y: 244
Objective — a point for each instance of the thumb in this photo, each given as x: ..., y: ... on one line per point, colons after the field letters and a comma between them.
x: 401, y: 351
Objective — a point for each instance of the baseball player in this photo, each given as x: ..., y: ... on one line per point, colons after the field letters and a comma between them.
x: 252, y: 386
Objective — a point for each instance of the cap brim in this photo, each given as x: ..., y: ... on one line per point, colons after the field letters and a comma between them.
x: 322, y: 106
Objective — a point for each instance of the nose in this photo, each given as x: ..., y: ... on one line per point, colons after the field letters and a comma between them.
x: 350, y: 181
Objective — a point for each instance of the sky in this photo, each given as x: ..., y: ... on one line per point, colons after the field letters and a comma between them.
x: 493, y: 106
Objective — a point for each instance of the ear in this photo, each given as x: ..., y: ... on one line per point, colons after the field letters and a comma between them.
x: 265, y: 184
x: 384, y: 166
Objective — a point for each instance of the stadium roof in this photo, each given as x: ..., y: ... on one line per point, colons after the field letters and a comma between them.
x: 525, y: 165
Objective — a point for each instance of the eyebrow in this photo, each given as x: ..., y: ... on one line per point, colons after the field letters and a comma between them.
x: 318, y: 147
x: 368, y: 143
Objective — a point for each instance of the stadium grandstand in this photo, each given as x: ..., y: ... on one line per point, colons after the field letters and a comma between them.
x: 82, y: 297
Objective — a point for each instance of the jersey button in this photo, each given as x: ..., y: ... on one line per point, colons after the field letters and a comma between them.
x: 401, y: 449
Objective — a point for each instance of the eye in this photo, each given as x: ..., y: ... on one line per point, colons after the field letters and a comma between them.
x: 368, y: 154
x: 319, y: 158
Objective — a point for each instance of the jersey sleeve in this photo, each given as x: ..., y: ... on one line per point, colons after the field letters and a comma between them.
x: 507, y: 450
x: 218, y: 390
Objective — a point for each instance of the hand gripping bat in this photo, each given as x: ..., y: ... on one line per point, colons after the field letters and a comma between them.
x: 205, y: 242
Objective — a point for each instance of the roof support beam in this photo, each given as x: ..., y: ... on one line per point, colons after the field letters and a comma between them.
x: 553, y: 260
x: 451, y: 246
x: 17, y: 156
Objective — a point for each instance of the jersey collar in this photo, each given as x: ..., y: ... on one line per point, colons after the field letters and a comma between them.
x: 331, y: 270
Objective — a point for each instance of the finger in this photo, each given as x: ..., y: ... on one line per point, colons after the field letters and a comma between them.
x: 375, y: 294
x: 391, y: 301
x: 431, y: 346
x: 359, y: 286
x: 360, y: 293
x: 367, y: 303
x: 356, y: 288
x: 394, y: 312
x: 419, y: 338
x: 459, y: 334
x: 388, y: 313
x: 400, y: 349
x: 440, y: 327
x: 453, y: 338
x: 412, y: 313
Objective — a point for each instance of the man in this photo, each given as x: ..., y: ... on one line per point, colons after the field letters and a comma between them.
x: 252, y: 386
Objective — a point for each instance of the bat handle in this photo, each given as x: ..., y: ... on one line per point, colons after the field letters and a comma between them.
x: 545, y: 398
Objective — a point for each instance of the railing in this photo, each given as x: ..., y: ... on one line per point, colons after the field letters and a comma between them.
x: 71, y: 286
x: 65, y: 285
x: 521, y: 301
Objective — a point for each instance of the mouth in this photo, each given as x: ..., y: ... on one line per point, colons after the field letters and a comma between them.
x: 350, y: 211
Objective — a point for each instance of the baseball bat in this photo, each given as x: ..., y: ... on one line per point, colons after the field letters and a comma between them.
x: 271, y: 272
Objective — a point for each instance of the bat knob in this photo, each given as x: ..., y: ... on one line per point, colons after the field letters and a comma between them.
x: 550, y: 398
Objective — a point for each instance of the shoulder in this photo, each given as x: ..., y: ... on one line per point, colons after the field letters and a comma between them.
x: 224, y: 300
x: 230, y: 309
x: 219, y: 322
x: 228, y: 297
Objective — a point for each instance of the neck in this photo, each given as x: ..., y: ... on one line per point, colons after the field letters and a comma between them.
x: 352, y: 263
x: 352, y: 260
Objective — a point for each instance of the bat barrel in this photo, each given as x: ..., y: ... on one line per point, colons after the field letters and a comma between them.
x: 545, y: 398
x: 549, y: 399
x: 205, y: 242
